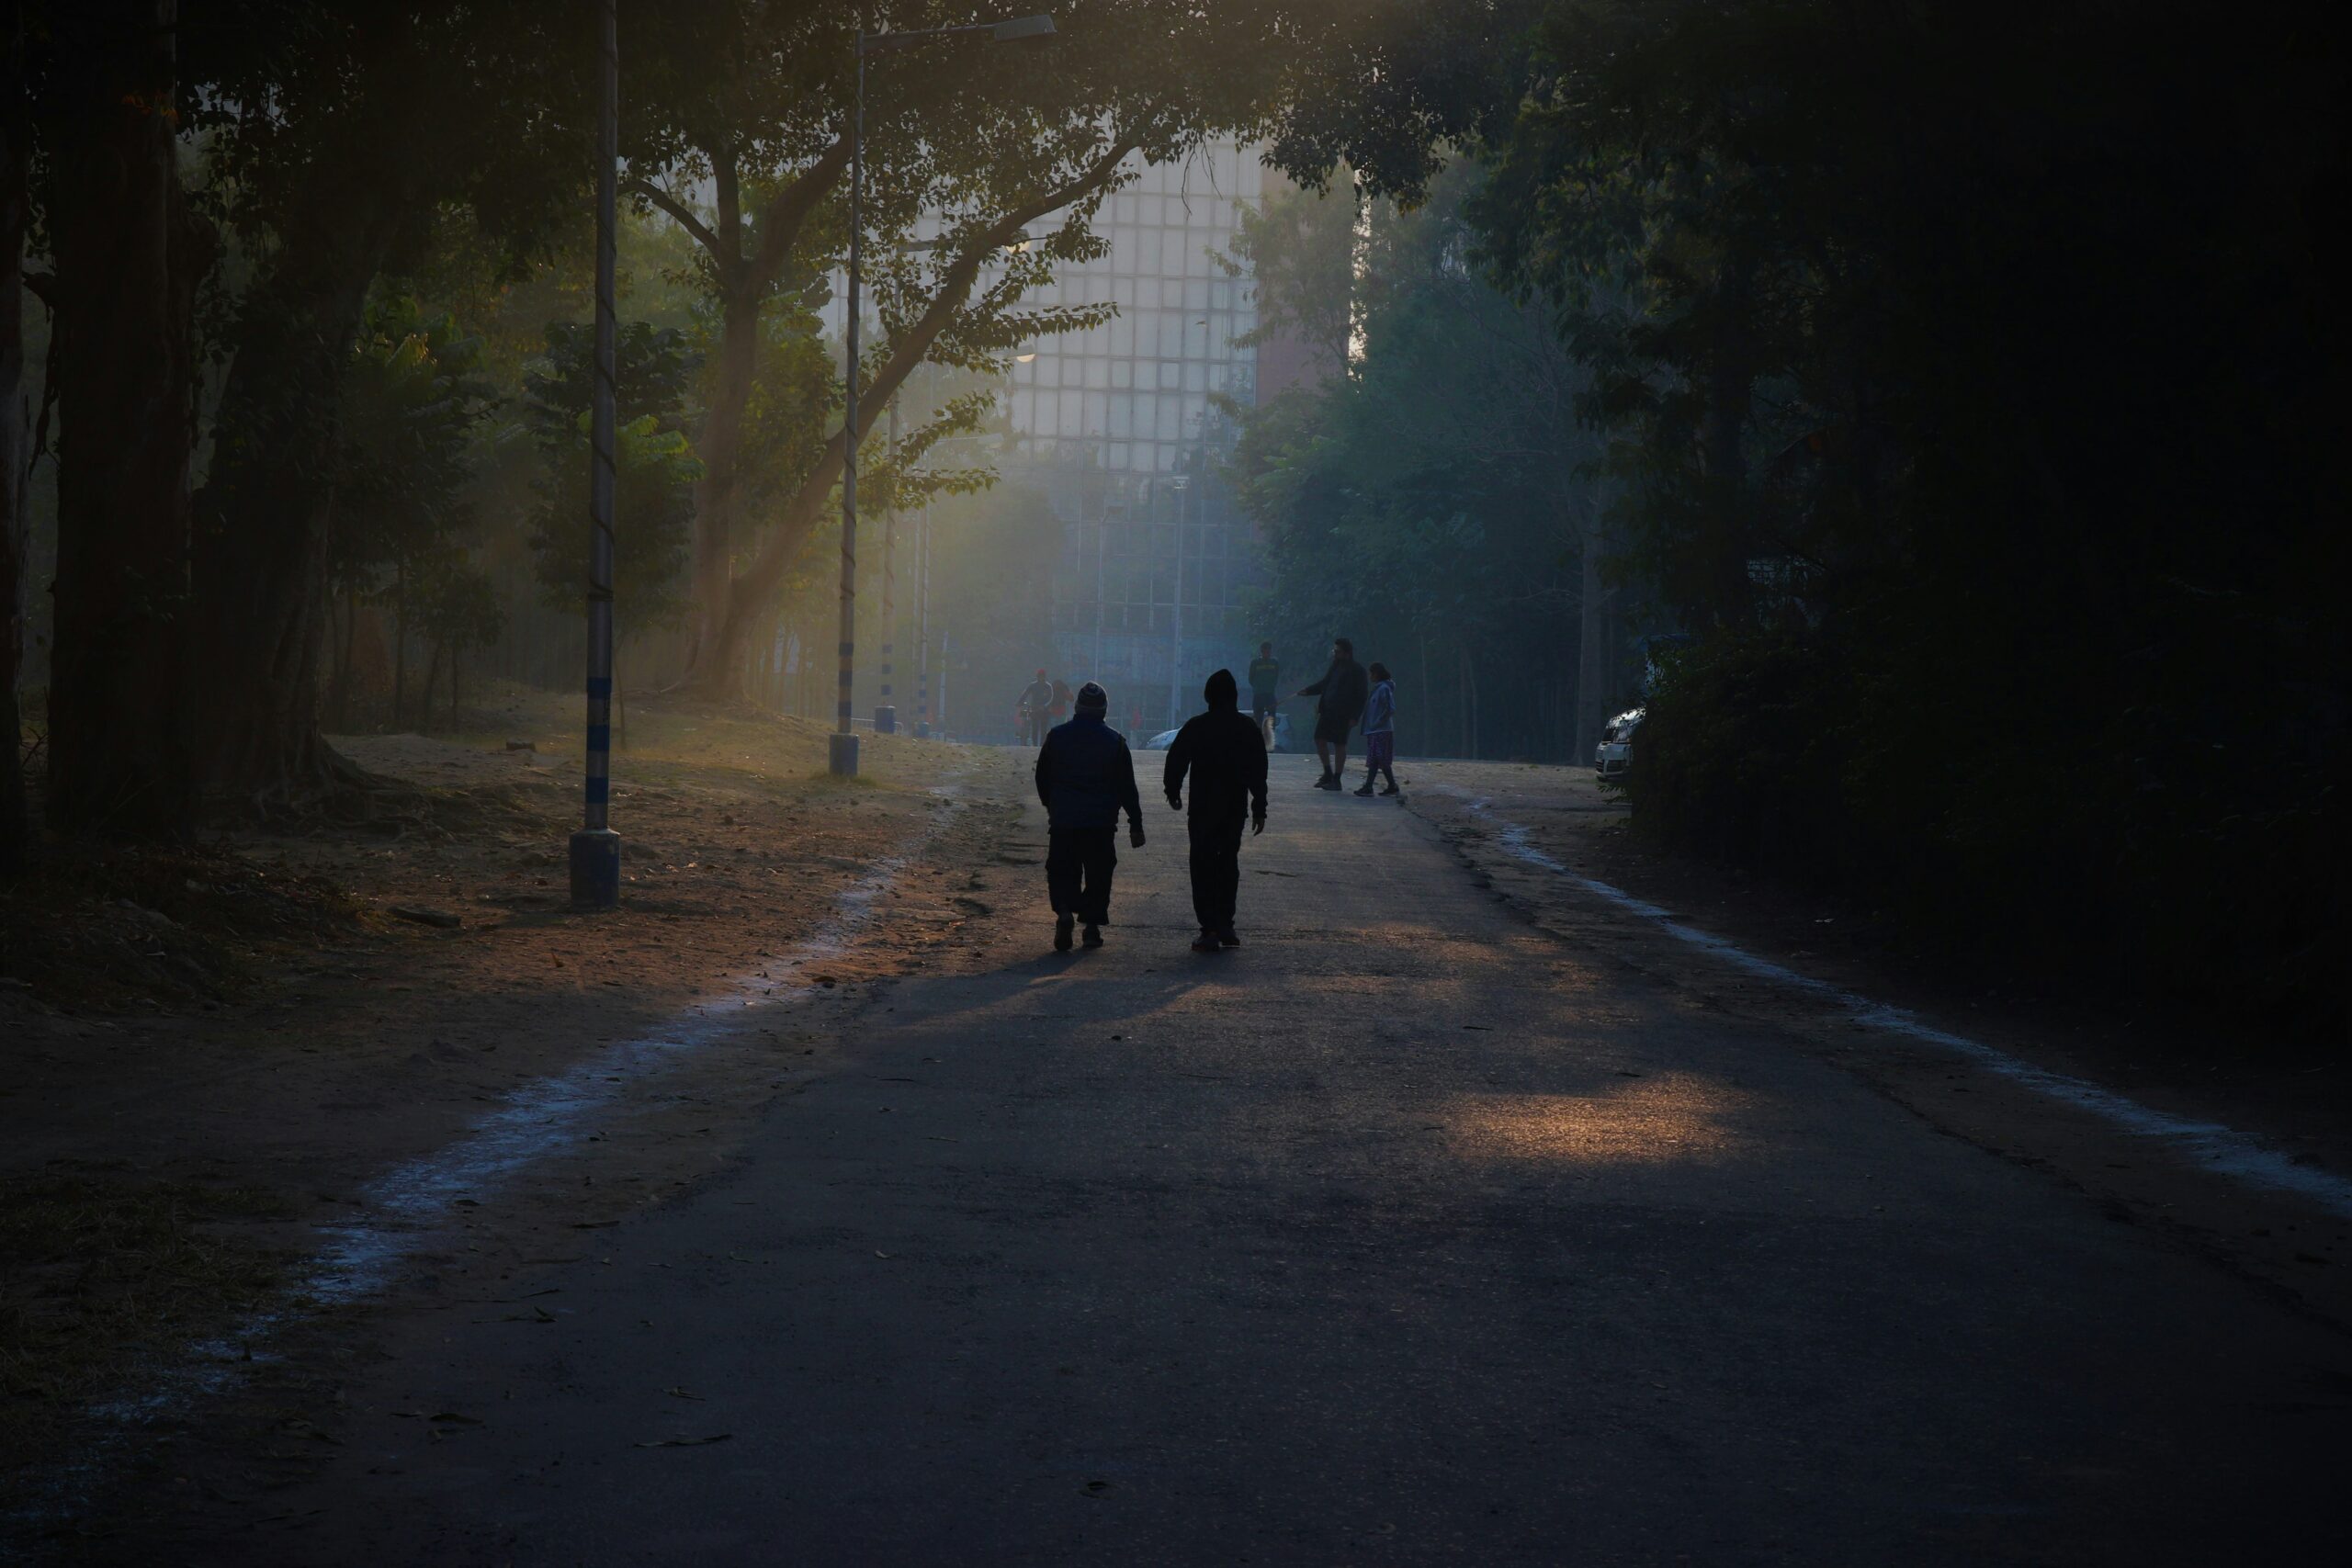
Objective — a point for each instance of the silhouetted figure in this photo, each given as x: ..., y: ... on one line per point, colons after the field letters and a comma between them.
x: 1036, y: 704
x: 1060, y: 710
x: 1226, y: 759
x: 1265, y: 690
x: 1380, y: 730
x: 1339, y: 699
x: 1086, y: 777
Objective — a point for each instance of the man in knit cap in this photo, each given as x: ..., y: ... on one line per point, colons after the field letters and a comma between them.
x: 1225, y: 756
x: 1086, y: 777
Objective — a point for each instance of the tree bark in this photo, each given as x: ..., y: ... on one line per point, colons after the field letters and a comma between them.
x: 1731, y: 384
x: 400, y: 641
x: 721, y: 443
x: 129, y: 256
x: 743, y: 282
x: 264, y: 516
x: 1592, y: 673
x: 16, y: 832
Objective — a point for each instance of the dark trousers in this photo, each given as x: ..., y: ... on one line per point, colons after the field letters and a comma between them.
x: 1077, y: 871
x: 1216, y: 869
x: 1038, y: 725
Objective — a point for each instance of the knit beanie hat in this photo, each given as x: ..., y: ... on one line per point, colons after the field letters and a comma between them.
x: 1092, y: 698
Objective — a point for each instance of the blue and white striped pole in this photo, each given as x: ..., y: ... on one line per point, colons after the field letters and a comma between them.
x: 597, y: 849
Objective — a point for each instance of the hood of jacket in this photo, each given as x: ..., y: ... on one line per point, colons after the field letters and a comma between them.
x: 1223, y: 695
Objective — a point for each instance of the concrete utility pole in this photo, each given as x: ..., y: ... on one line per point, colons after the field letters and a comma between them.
x: 597, y: 849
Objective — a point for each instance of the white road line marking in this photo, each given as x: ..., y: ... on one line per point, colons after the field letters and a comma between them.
x: 2214, y: 1146
x: 549, y: 1113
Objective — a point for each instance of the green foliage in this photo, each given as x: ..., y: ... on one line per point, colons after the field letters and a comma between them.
x: 654, y: 372
x: 653, y: 512
x: 1430, y: 505
x: 413, y: 404
x: 655, y: 471
x: 1966, y: 374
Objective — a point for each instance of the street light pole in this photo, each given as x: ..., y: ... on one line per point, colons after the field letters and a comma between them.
x: 841, y: 745
x: 922, y: 622
x: 1176, y: 652
x: 597, y: 849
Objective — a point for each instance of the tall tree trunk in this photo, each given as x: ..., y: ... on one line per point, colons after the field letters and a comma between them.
x: 432, y: 685
x: 1592, y: 658
x: 400, y: 641
x: 340, y: 707
x: 720, y: 446
x: 15, y: 164
x: 266, y: 511
x: 1730, y: 392
x: 620, y: 703
x: 129, y: 256
x: 1470, y: 693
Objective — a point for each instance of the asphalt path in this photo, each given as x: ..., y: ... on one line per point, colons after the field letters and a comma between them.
x: 1403, y: 1234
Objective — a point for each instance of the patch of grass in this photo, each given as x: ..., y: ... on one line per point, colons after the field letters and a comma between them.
x: 99, y: 1273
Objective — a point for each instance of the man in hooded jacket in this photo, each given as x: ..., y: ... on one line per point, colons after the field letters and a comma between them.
x: 1340, y: 696
x: 1226, y: 756
x: 1086, y: 777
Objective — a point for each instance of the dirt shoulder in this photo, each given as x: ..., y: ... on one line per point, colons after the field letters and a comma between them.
x: 2290, y: 1095
x: 203, y: 1077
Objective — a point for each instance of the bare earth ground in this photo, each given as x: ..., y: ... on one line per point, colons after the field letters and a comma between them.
x: 173, y: 1136
x: 2292, y: 1094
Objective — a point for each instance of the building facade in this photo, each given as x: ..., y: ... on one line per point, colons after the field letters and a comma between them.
x: 1123, y: 428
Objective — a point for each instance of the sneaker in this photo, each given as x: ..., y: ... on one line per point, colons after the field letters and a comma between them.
x: 1204, y: 943
x: 1093, y: 934
x: 1392, y: 789
x: 1329, y: 781
x: 1229, y: 938
x: 1062, y: 927
x: 1367, y: 787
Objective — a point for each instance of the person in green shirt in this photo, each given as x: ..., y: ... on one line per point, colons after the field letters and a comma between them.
x: 1265, y: 691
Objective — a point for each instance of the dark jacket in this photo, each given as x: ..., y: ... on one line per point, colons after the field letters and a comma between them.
x: 1086, y: 776
x: 1226, y: 755
x: 1341, y: 692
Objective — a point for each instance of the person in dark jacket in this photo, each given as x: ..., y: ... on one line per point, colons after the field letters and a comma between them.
x: 1086, y: 777
x: 1226, y: 755
x: 1339, y: 699
x: 1036, y: 707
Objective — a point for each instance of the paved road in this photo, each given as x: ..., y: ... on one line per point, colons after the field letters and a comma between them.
x: 1403, y: 1234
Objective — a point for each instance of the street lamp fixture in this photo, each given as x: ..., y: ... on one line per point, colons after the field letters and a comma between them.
x: 842, y: 745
